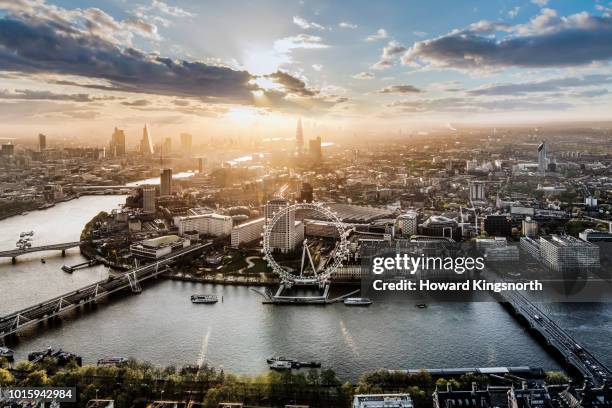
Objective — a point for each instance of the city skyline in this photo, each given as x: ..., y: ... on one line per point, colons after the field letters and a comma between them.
x: 78, y: 71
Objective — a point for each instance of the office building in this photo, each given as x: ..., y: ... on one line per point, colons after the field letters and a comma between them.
x: 506, y: 253
x: 117, y: 143
x: 439, y: 226
x: 148, y: 199
x: 248, y: 232
x: 306, y: 193
x: 42, y: 142
x: 477, y: 191
x: 157, y: 247
x: 186, y: 143
x: 529, y: 227
x: 200, y: 165
x: 214, y: 225
x: 382, y: 401
x: 286, y: 233
x: 407, y: 224
x: 483, y: 244
x: 299, y: 138
x: 8, y: 149
x: 167, y: 146
x: 497, y: 225
x: 566, y: 253
x: 591, y: 235
x: 471, y: 165
x: 473, y: 398
x: 542, y: 159
x: 530, y: 246
x: 525, y: 397
x: 166, y: 182
x: 314, y: 148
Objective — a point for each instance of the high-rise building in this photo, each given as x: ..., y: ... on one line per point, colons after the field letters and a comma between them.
x: 42, y: 142
x: 299, y: 138
x: 247, y: 232
x: 215, y: 225
x: 167, y: 146
x: 477, y: 191
x: 8, y: 149
x: 306, y: 193
x: 148, y: 199
x: 186, y: 142
x: 497, y: 225
x: 529, y: 227
x: 542, y: 160
x: 286, y: 232
x: 200, y: 165
x: 146, y: 144
x: 566, y: 253
x: 314, y: 148
x: 407, y: 224
x: 166, y: 182
x: 117, y: 143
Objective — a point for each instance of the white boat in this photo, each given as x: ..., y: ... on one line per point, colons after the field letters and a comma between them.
x: 204, y: 299
x: 112, y: 361
x: 6, y: 353
x: 357, y: 302
x: 281, y: 365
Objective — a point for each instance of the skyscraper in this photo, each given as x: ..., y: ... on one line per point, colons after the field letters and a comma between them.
x: 42, y: 142
x: 166, y: 182
x: 299, y: 138
x: 167, y: 146
x: 117, y: 144
x: 186, y: 141
x: 314, y: 148
x: 146, y: 144
x: 477, y: 191
x: 148, y: 199
x: 542, y: 160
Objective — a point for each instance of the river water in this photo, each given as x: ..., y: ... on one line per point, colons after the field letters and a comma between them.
x: 161, y: 325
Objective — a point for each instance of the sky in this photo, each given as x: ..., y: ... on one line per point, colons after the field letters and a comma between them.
x: 79, y: 68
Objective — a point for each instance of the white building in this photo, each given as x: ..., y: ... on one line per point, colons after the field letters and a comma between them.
x: 477, y: 191
x: 530, y: 227
x: 286, y: 232
x: 382, y: 401
x: 148, y: 199
x: 215, y: 225
x: 482, y: 244
x: 247, y: 232
x: 407, y: 224
x: 502, y: 254
x: 157, y: 247
x: 562, y: 253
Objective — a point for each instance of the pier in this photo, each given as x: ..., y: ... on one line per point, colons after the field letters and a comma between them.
x: 576, y: 357
x: 33, y: 315
x: 86, y: 264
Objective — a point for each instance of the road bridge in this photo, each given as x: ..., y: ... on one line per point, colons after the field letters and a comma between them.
x: 574, y: 354
x: 14, y: 253
x: 31, y: 316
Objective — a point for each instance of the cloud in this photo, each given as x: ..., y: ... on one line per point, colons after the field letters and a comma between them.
x: 307, y: 25
x: 512, y: 13
x: 299, y: 41
x: 291, y: 84
x: 380, y: 34
x: 400, y: 89
x: 317, y: 67
x: 137, y: 102
x: 546, y: 41
x: 28, y: 94
x: 172, y: 11
x: 363, y: 75
x: 347, y: 24
x: 463, y: 105
x: 419, y: 33
x: 34, y: 45
x: 540, y: 3
x: 389, y: 54
x: 549, y: 85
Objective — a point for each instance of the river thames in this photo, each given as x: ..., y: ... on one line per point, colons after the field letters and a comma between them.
x: 161, y: 325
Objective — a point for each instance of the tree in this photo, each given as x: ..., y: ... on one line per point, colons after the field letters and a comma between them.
x: 556, y: 378
x: 6, y: 378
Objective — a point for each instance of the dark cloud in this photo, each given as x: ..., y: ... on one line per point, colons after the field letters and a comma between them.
x: 291, y: 84
x: 400, y: 89
x: 546, y: 41
x: 549, y: 85
x: 138, y: 102
x: 41, y: 46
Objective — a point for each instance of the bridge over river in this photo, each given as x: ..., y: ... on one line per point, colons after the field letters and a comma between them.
x: 31, y: 316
